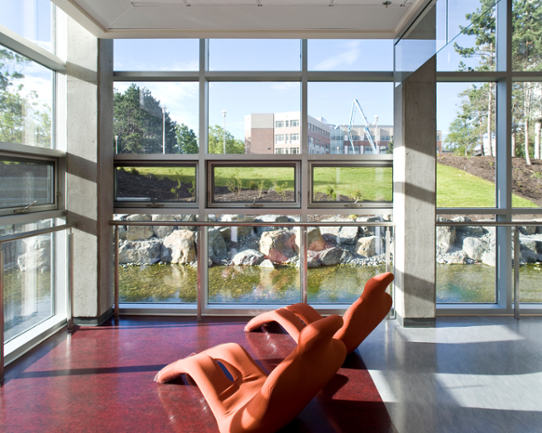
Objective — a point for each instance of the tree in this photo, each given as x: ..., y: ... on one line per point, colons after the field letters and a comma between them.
x: 187, y: 140
x: 138, y: 123
x: 23, y: 119
x: 216, y: 141
x: 462, y: 137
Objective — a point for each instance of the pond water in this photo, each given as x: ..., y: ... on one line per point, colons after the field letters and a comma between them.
x: 331, y: 284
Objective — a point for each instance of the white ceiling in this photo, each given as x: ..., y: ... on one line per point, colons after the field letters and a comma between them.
x: 242, y: 18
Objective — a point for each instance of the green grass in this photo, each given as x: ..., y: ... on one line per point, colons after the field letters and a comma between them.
x: 457, y: 188
x: 369, y: 183
x: 254, y: 175
x: 185, y: 174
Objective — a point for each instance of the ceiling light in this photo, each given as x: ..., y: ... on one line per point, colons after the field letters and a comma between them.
x: 386, y: 3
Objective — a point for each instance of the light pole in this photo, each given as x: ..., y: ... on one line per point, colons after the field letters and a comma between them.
x: 224, y: 131
x: 164, y: 108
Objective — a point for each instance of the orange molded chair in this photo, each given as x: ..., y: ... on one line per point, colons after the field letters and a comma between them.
x: 253, y: 401
x: 360, y: 319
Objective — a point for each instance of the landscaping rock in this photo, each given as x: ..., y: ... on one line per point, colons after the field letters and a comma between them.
x: 366, y: 246
x: 474, y: 248
x: 162, y: 231
x: 267, y: 264
x: 331, y: 256
x: 528, y: 230
x: 248, y: 258
x: 530, y: 244
x: 279, y: 245
x: 269, y: 219
x: 140, y: 252
x: 241, y: 231
x: 312, y: 259
x: 217, y: 247
x: 348, y: 235
x: 180, y: 247
x: 445, y: 238
x: 489, y: 258
x: 455, y: 258
x: 315, y: 241
x: 135, y: 233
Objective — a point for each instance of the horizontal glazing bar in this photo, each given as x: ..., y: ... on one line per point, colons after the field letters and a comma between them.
x: 12, y: 238
x: 251, y: 224
x: 489, y: 224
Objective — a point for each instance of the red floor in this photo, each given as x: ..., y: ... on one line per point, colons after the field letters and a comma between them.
x: 101, y: 380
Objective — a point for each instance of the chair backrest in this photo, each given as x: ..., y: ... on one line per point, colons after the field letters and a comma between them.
x: 366, y: 312
x: 297, y: 379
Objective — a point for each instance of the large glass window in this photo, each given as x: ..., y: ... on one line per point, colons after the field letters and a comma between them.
x: 254, y: 55
x: 350, y: 118
x: 26, y: 95
x: 527, y: 23
x: 242, y: 116
x: 350, y: 55
x: 156, y: 118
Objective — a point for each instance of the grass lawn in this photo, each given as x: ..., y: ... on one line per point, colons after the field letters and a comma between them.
x: 457, y: 188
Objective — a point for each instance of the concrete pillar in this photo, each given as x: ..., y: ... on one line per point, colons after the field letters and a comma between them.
x: 90, y: 170
x: 415, y: 196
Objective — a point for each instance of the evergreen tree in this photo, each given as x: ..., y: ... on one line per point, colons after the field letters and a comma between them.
x: 187, y: 140
x: 138, y: 123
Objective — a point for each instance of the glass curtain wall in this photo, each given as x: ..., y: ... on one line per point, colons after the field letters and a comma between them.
x: 489, y: 68
x: 233, y: 140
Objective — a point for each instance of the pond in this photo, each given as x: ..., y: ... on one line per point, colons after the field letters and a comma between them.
x: 329, y: 284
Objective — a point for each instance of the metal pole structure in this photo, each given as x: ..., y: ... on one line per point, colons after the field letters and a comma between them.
x: 164, y: 108
x: 303, y: 264
x: 116, y: 282
x: 200, y: 273
x: 69, y: 292
x: 1, y: 317
x: 224, y: 131
x: 388, y: 248
x: 516, y: 273
x: 116, y: 144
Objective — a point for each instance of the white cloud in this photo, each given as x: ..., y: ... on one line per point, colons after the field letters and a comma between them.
x: 346, y: 58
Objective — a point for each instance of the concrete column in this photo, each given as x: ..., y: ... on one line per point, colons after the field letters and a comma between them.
x: 90, y: 170
x: 415, y: 196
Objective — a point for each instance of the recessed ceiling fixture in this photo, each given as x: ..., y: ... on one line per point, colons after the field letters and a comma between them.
x: 386, y: 3
x: 331, y: 3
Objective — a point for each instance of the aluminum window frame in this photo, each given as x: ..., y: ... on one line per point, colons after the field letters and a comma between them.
x: 296, y: 204
x: 135, y: 205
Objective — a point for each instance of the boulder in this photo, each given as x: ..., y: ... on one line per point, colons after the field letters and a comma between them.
x: 315, y: 241
x: 530, y: 244
x: 135, y: 233
x: 455, y: 258
x: 489, y: 258
x: 35, y: 260
x: 267, y: 264
x: 37, y: 242
x: 331, y: 256
x: 312, y: 259
x: 366, y: 246
x: 269, y: 219
x: 140, y: 252
x: 348, y: 235
x: 528, y: 230
x: 279, y: 245
x: 445, y: 237
x: 241, y: 231
x: 162, y: 231
x: 179, y: 247
x: 474, y: 248
x: 529, y: 257
x: 225, y: 232
x: 248, y: 258
x: 217, y: 246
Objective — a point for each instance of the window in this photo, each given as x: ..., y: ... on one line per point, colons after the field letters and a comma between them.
x: 287, y: 123
x: 294, y: 150
x: 279, y: 138
x: 350, y: 55
x: 279, y: 124
x: 294, y: 123
x: 348, y: 185
x: 254, y: 184
x: 28, y: 185
x: 155, y: 186
x: 279, y: 150
x: 294, y: 137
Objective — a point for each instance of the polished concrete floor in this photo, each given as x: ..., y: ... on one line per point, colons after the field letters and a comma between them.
x: 466, y: 375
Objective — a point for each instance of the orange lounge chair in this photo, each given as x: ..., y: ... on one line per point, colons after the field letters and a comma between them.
x: 253, y: 401
x: 360, y: 319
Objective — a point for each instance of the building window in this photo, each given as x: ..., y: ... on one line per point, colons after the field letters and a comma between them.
x: 279, y: 138
x: 279, y: 124
x: 294, y: 123
x: 294, y: 137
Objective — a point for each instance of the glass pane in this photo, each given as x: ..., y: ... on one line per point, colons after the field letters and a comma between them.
x: 156, y: 118
x: 466, y: 257
x: 254, y: 265
x: 341, y: 259
x: 530, y: 244
x: 471, y: 37
x: 26, y: 182
x: 349, y: 116
x: 31, y: 19
x: 26, y: 92
x: 254, y: 55
x: 155, y: 184
x: 527, y: 25
x: 242, y: 116
x: 526, y: 147
x: 28, y: 287
x: 350, y: 54
x: 251, y: 184
x: 156, y: 54
x: 352, y: 184
x: 466, y: 159
x: 158, y: 264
